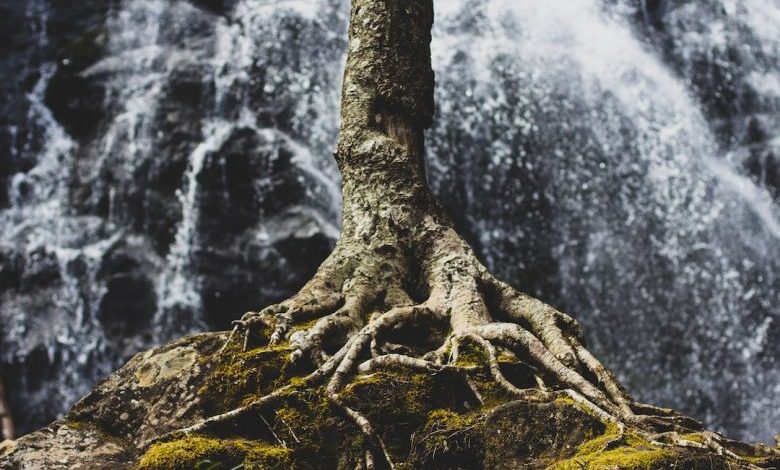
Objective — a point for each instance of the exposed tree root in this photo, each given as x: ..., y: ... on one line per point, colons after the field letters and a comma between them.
x: 361, y: 328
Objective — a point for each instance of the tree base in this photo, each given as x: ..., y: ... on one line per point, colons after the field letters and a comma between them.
x: 426, y: 420
x: 358, y: 319
x: 401, y: 352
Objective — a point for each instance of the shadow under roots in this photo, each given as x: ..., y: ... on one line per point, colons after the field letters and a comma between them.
x: 414, y: 339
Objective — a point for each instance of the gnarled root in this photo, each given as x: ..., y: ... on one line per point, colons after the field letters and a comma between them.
x: 357, y: 316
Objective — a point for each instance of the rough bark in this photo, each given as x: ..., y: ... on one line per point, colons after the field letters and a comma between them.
x: 399, y: 265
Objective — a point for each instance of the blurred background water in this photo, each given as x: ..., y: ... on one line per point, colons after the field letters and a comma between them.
x: 166, y: 165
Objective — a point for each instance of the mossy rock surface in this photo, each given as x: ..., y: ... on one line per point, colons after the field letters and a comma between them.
x: 205, y: 452
x: 428, y: 421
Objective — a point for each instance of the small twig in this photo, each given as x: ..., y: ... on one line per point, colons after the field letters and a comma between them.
x: 270, y: 428
x: 292, y: 433
x: 474, y: 390
x: 365, y: 427
x: 228, y: 340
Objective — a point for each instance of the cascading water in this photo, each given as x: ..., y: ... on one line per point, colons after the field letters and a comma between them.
x: 48, y: 245
x: 172, y: 170
x: 108, y: 234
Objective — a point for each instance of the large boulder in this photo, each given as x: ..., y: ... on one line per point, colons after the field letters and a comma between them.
x: 431, y: 421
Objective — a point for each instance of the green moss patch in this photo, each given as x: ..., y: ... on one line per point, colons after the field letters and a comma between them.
x: 632, y: 453
x: 195, y: 452
x: 623, y: 458
x: 398, y: 401
x: 237, y: 377
x: 693, y: 437
x: 448, y: 440
x: 319, y: 437
x: 471, y: 355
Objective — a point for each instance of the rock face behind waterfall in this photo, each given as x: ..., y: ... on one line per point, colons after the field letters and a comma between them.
x: 166, y: 166
x: 142, y: 200
x: 427, y: 422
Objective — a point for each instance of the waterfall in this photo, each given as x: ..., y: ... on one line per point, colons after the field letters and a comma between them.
x: 53, y: 245
x: 178, y: 286
x: 171, y: 168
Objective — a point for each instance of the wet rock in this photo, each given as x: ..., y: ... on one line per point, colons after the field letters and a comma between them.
x: 252, y: 213
x: 94, y: 447
x: 79, y: 36
x: 11, y: 268
x: 129, y: 301
x: 76, y: 99
x: 154, y: 391
x: 231, y: 281
x: 426, y: 420
x: 219, y: 7
x: 29, y: 373
x: 41, y: 268
x: 127, y: 306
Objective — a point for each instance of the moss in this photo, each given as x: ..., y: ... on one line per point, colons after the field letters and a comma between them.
x: 397, y: 401
x: 302, y: 420
x: 448, y: 440
x: 443, y: 424
x: 317, y: 434
x: 188, y: 453
x: 600, y: 442
x: 492, y: 394
x: 297, y: 381
x: 237, y: 377
x: 375, y: 378
x: 694, y: 437
x: 471, y: 355
x: 634, y: 452
x: 406, y: 391
x: 624, y: 458
x: 77, y: 424
x: 756, y: 460
x: 304, y: 326
x: 564, y: 400
x: 504, y: 358
x: 449, y: 419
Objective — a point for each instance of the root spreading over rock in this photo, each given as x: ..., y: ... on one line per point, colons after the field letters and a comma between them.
x: 402, y: 351
x: 358, y: 317
x: 402, y: 290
